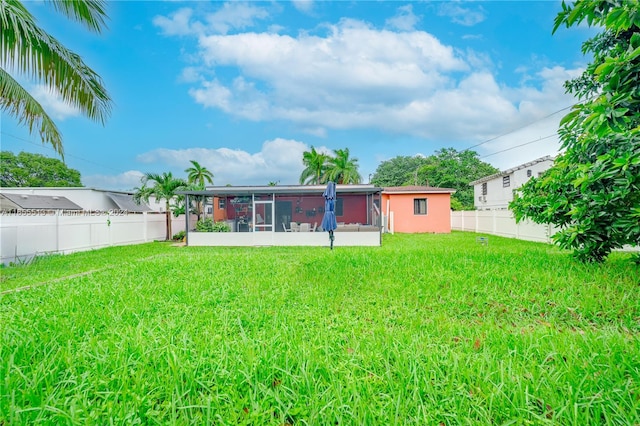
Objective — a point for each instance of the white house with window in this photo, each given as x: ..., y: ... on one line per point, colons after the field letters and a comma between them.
x: 495, y: 192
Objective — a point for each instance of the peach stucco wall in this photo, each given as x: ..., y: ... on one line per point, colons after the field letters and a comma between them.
x: 437, y: 219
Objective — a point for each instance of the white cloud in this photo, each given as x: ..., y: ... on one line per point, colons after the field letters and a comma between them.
x: 355, y: 76
x: 231, y: 16
x: 123, y: 181
x: 304, y: 6
x: 278, y: 160
x: 466, y: 16
x: 53, y: 103
x: 179, y: 23
x: 235, y: 15
x: 325, y: 81
x: 405, y: 19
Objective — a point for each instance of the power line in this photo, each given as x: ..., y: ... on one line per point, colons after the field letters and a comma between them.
x: 519, y: 128
x: 66, y: 155
x: 518, y: 146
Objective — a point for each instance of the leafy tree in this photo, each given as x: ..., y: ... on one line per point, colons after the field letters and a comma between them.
x: 592, y: 193
x: 34, y: 170
x: 449, y: 168
x: 315, y: 167
x: 199, y: 176
x: 342, y: 169
x: 397, y: 171
x: 163, y: 187
x: 32, y: 52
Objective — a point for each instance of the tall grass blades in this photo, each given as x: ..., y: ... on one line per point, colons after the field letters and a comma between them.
x: 427, y: 329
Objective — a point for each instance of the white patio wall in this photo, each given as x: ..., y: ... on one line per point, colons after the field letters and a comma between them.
x: 342, y: 239
x: 502, y: 223
x: 24, y: 236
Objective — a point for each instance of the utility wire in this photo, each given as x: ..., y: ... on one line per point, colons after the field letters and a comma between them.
x: 518, y: 146
x: 519, y: 128
x: 66, y: 155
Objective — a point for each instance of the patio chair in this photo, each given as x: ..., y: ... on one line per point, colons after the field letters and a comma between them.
x: 294, y: 227
x: 305, y: 227
x: 313, y: 228
x: 286, y: 229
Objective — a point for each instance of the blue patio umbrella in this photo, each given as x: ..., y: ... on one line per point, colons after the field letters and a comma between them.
x: 329, y: 219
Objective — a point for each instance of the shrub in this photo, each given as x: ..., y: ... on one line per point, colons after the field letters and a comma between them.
x: 208, y: 225
x: 205, y: 225
x: 221, y: 227
x: 179, y: 236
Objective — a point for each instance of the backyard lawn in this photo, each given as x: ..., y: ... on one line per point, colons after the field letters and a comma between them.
x: 426, y: 330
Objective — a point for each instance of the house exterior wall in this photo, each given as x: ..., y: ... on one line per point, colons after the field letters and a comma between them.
x: 498, y: 195
x: 437, y: 219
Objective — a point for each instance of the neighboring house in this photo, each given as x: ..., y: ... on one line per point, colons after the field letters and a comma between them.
x: 495, y: 192
x: 288, y: 215
x: 414, y: 209
x: 89, y: 199
x: 37, y: 221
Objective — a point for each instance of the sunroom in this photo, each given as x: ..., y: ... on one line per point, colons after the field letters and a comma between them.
x: 286, y: 215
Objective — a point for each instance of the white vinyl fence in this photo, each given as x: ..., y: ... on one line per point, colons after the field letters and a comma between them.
x: 31, y: 233
x: 502, y: 223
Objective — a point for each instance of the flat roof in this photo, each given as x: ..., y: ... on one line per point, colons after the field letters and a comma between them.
x: 283, y: 189
x: 415, y: 189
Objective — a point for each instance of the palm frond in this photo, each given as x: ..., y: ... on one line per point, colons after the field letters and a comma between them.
x: 18, y: 103
x: 27, y: 49
x: 90, y: 13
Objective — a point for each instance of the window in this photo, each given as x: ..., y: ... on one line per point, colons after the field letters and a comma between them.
x: 339, y: 206
x: 419, y: 206
x: 529, y: 173
x: 221, y: 203
x: 506, y: 181
x: 484, y: 188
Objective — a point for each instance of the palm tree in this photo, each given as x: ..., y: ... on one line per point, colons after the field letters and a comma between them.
x: 316, y: 164
x: 199, y: 176
x: 164, y: 188
x: 342, y: 169
x: 31, y: 52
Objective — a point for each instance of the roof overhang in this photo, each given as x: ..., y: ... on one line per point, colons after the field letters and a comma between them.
x: 220, y: 191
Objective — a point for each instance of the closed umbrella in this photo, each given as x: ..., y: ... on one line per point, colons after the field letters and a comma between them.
x: 329, y: 219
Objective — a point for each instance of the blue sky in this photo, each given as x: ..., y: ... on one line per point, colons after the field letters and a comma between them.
x: 244, y: 88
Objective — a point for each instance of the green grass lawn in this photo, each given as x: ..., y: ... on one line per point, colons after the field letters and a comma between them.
x: 426, y: 330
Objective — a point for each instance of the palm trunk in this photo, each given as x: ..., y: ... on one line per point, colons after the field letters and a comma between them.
x: 168, y: 217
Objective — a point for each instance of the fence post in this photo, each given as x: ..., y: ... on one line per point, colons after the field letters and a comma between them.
x: 58, y: 231
x: 476, y: 229
x: 144, y: 225
x: 493, y: 221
